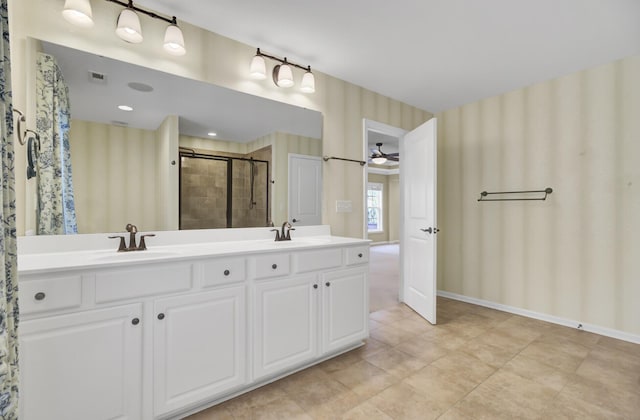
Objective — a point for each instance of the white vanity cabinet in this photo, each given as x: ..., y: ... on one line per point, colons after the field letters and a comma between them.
x: 285, y: 324
x: 318, y: 310
x: 199, y: 347
x: 85, y: 365
x: 344, y: 300
x: 158, y: 339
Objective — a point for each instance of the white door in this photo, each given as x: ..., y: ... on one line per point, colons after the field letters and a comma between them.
x: 199, y: 347
x: 418, y: 241
x: 285, y: 324
x: 345, y: 315
x: 305, y: 190
x: 82, y: 366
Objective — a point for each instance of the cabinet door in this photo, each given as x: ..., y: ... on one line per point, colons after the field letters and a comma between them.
x: 345, y: 308
x: 199, y: 347
x: 285, y: 324
x: 82, y: 366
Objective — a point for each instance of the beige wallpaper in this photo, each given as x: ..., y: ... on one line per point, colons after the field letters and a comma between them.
x: 113, y: 178
x: 575, y: 255
x: 224, y: 62
x: 394, y: 208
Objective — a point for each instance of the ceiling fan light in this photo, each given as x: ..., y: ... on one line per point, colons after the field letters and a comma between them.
x: 129, y: 27
x: 379, y: 160
x: 283, y: 75
x: 258, y: 69
x: 308, y: 84
x: 78, y: 12
x: 174, y: 40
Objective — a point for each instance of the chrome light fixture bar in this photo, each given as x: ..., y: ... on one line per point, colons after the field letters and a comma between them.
x: 282, y: 73
x: 78, y: 12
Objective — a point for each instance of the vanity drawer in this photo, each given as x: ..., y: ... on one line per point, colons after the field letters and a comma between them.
x: 223, y: 271
x: 50, y: 294
x: 306, y: 261
x: 357, y: 255
x: 272, y: 265
x: 132, y: 283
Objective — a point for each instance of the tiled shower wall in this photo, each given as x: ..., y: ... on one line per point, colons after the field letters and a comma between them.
x: 203, y: 195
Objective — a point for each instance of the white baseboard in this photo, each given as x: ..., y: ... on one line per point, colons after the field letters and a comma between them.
x: 609, y: 332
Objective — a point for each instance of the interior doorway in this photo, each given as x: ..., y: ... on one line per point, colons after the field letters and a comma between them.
x: 382, y: 212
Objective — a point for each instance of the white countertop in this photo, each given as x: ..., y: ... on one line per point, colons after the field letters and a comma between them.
x: 45, y: 262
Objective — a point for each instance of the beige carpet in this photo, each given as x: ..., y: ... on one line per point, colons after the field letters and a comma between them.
x: 384, y: 279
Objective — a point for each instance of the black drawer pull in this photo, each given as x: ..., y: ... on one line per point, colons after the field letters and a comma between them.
x: 40, y: 296
x: 328, y: 284
x: 227, y: 272
x: 315, y: 286
x: 274, y: 266
x: 360, y: 255
x: 160, y: 316
x: 135, y: 321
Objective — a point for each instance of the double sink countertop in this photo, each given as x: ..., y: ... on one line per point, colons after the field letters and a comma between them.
x: 42, y: 261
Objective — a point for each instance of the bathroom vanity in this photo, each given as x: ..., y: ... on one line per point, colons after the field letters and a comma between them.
x: 199, y: 317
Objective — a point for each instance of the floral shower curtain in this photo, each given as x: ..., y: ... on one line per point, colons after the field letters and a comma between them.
x: 56, y: 208
x: 8, y: 243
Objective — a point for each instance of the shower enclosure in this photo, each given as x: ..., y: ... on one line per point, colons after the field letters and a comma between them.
x: 223, y: 191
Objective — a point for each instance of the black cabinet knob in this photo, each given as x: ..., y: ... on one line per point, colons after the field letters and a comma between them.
x: 227, y: 272
x: 315, y: 286
x: 40, y: 296
x: 161, y: 316
x: 274, y: 266
x: 327, y: 284
x: 360, y: 255
x: 135, y: 321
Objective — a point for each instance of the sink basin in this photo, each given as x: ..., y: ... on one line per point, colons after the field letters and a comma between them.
x: 133, y: 255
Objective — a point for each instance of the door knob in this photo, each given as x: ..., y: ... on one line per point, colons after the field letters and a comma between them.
x: 428, y: 230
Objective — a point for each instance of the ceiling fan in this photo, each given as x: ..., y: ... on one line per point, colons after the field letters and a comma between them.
x: 379, y: 157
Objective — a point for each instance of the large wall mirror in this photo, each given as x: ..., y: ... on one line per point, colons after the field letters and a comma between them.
x: 142, y: 149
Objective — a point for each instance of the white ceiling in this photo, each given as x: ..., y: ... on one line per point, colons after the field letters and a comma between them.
x: 202, y: 107
x: 432, y: 54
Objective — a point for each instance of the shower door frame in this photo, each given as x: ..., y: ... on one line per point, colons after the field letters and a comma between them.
x: 190, y: 153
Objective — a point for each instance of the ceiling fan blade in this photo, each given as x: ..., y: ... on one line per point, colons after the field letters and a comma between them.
x: 393, y: 158
x: 392, y: 154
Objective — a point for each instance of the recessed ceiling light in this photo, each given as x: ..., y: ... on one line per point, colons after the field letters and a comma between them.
x: 125, y: 108
x: 212, y: 134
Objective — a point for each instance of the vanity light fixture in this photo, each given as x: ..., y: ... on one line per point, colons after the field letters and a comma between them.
x: 125, y: 108
x: 282, y: 73
x: 212, y: 134
x: 379, y: 160
x: 128, y: 28
x: 78, y: 12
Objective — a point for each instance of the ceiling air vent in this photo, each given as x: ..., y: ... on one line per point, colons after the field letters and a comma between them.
x: 97, y: 77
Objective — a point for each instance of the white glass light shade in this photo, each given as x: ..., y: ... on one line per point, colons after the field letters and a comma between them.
x: 285, y: 76
x: 78, y: 12
x: 129, y: 27
x: 379, y: 160
x: 258, y: 69
x: 308, y: 84
x: 174, y: 41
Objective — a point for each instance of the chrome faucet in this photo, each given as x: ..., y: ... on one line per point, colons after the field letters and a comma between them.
x: 285, y: 233
x: 133, y: 230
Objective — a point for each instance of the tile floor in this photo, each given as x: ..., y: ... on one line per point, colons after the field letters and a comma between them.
x: 477, y: 363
